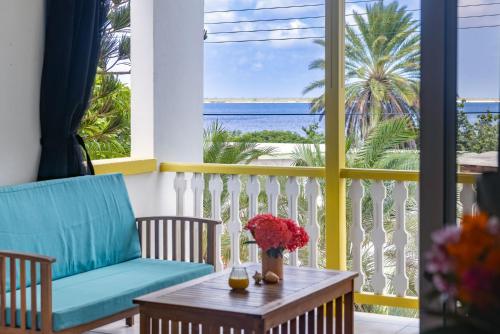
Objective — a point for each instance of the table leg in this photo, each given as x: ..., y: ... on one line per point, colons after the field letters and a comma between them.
x: 145, y: 325
x: 349, y: 313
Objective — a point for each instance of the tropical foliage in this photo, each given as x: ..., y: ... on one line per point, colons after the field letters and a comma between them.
x: 382, y: 68
x: 106, y: 125
x: 480, y: 136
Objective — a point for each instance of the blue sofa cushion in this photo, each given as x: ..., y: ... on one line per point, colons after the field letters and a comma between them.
x: 84, y: 222
x: 96, y: 294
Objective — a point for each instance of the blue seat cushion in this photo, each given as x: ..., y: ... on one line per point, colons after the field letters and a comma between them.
x: 102, y: 292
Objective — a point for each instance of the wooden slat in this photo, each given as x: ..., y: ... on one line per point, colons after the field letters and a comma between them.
x: 349, y: 313
x: 338, y: 315
x: 200, y: 242
x: 175, y: 327
x: 185, y: 328
x: 310, y: 322
x: 284, y: 328
x: 329, y: 317
x: 195, y: 329
x: 46, y: 295
x: 320, y: 316
x: 293, y: 326
x: 165, y: 240
x: 210, y: 243
x: 33, y: 283
x: 13, y: 304
x: 155, y: 326
x: 165, y: 323
x: 139, y: 230
x: 191, y: 240
x: 2, y: 292
x: 148, y: 240
x: 302, y: 323
x: 183, y: 240
x: 157, y: 239
x: 174, y: 240
x: 22, y: 282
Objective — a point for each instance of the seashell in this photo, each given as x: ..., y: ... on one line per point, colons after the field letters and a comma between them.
x: 271, y: 277
x: 258, y: 278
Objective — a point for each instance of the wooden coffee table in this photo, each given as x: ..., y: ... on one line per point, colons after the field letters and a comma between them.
x: 307, y: 300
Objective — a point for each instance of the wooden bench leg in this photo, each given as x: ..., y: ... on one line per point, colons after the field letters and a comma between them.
x: 129, y: 321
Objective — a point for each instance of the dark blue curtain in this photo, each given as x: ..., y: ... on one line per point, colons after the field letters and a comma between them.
x: 72, y: 44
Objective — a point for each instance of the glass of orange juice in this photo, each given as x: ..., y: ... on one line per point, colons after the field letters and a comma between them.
x: 238, y: 279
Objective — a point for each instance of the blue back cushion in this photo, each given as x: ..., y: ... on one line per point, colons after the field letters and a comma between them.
x: 84, y: 222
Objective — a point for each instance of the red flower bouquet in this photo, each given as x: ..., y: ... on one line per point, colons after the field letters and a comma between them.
x: 274, y: 235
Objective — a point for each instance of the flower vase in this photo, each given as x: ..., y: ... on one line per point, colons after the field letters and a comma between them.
x: 271, y: 263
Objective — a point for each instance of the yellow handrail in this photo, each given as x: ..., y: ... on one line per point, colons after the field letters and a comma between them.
x: 316, y: 172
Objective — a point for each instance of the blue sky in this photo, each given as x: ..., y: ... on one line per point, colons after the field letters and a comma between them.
x: 280, y: 68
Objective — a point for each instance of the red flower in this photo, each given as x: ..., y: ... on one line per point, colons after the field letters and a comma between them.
x: 277, y: 234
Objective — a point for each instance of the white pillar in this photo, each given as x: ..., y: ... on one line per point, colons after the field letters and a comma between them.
x: 167, y: 90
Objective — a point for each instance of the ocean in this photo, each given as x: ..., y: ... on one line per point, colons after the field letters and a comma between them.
x: 248, y: 117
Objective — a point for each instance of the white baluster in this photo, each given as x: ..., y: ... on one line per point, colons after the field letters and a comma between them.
x: 234, y: 225
x: 356, y: 193
x: 215, y: 187
x: 400, y: 194
x: 292, y: 194
x: 378, y: 236
x: 312, y: 227
x: 253, y: 190
x: 197, y: 186
x: 180, y: 185
x: 272, y: 191
x: 467, y: 196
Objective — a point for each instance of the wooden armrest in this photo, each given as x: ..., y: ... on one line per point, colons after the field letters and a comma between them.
x: 178, y: 237
x: 27, y: 256
x: 19, y: 279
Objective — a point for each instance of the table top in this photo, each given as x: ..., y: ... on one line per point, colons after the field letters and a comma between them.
x: 212, y: 292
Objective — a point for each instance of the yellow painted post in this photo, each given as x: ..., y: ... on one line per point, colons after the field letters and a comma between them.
x: 335, y: 138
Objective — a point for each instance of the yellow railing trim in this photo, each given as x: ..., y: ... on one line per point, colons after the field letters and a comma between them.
x: 316, y: 172
x: 397, y: 175
x: 126, y: 166
x: 386, y: 300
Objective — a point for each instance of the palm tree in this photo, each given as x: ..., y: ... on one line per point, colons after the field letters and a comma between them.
x: 382, y: 68
x: 218, y: 148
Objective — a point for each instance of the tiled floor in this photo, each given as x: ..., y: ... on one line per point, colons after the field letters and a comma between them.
x: 365, y: 323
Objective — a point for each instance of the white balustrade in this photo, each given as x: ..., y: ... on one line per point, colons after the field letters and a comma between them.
x: 272, y: 192
x: 292, y: 194
x: 215, y: 186
x: 400, y: 280
x: 197, y: 187
x: 234, y: 224
x: 357, y: 235
x: 467, y: 197
x: 378, y: 194
x: 253, y: 191
x: 180, y: 186
x: 312, y: 227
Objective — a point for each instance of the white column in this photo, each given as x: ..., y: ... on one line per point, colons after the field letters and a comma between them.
x: 167, y: 95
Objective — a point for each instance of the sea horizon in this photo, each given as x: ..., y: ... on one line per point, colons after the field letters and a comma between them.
x: 289, y: 116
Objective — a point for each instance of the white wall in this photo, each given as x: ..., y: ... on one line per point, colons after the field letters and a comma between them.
x: 21, y: 60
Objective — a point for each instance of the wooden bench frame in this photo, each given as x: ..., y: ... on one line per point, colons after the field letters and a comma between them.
x: 149, y: 235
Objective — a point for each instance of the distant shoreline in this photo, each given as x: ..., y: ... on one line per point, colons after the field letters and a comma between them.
x: 309, y: 100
